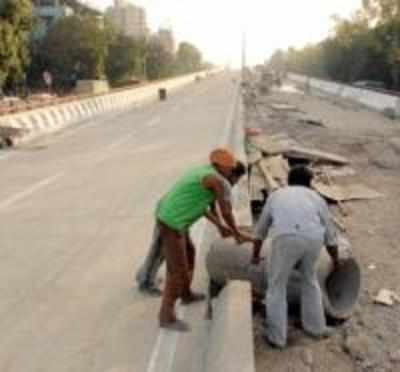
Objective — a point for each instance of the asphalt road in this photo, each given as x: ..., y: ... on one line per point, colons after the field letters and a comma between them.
x: 75, y: 222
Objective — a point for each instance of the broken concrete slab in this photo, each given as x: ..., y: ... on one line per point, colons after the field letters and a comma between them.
x: 386, y: 297
x: 283, y: 107
x: 278, y: 167
x: 334, y: 171
x: 316, y: 123
x: 298, y: 152
x: 273, y: 146
x: 341, y: 193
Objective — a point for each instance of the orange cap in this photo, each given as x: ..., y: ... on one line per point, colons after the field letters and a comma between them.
x: 223, y: 157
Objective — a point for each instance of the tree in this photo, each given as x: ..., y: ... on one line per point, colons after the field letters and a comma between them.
x: 76, y: 46
x: 125, y: 58
x: 188, y: 58
x: 278, y: 61
x: 15, y: 26
x: 159, y: 61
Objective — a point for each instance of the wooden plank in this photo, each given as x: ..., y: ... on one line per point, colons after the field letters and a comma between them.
x: 254, y: 156
x: 257, y: 184
x: 271, y: 184
x: 278, y: 168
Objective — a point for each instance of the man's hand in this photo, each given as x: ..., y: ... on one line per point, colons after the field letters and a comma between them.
x: 225, y: 231
x: 256, y: 260
x: 337, y: 264
x: 333, y: 251
x: 243, y: 238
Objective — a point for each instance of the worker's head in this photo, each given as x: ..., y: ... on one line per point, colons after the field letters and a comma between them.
x: 300, y: 176
x: 238, y: 172
x: 223, y: 161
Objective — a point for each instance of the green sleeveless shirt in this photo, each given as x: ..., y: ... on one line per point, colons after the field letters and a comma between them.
x: 187, y: 201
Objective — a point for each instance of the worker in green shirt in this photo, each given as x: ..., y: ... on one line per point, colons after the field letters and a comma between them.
x: 189, y: 200
x: 146, y: 276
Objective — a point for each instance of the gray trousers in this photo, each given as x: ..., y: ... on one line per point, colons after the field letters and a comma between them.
x: 288, y: 251
x: 147, y: 274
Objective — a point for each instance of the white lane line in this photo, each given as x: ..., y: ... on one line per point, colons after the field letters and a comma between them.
x: 107, y: 151
x: 153, y: 122
x: 163, y: 355
x: 29, y: 191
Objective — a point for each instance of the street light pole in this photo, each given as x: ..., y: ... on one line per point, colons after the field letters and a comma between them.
x: 244, y: 46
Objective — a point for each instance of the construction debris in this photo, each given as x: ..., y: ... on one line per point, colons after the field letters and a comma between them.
x: 273, y: 145
x: 315, y: 156
x: 281, y: 144
x: 334, y: 171
x: 283, y: 107
x: 316, y: 123
x: 340, y: 193
x: 386, y: 297
x: 7, y: 133
x: 270, y: 182
x: 257, y: 184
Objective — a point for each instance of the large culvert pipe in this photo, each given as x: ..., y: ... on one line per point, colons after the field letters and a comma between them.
x: 341, y: 288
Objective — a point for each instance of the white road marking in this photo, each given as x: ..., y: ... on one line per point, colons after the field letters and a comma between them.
x: 31, y: 190
x: 153, y: 122
x: 105, y: 153
x: 163, y: 355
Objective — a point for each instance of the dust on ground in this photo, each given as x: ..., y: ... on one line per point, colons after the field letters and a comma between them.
x: 370, y: 340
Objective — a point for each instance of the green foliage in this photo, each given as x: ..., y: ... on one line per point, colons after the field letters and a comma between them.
x: 76, y: 46
x: 125, y: 59
x: 15, y: 26
x: 188, y: 58
x: 365, y: 47
x: 159, y: 61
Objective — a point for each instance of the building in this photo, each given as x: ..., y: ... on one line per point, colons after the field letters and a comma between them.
x: 128, y: 19
x: 47, y: 12
x: 167, y: 39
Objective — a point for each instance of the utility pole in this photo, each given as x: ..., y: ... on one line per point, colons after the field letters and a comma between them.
x: 244, y: 47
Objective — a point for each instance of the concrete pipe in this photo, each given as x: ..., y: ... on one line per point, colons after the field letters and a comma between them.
x: 341, y: 288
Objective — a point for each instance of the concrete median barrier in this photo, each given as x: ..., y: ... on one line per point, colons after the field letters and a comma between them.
x: 41, y: 121
x: 368, y: 98
x: 230, y: 346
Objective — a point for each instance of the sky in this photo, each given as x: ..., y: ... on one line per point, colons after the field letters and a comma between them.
x: 216, y: 26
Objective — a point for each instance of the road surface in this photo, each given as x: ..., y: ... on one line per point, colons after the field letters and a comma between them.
x: 75, y: 222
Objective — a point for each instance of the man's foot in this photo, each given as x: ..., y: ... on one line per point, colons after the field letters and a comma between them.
x: 177, y: 325
x: 273, y: 344
x: 328, y: 332
x: 150, y: 289
x: 193, y: 298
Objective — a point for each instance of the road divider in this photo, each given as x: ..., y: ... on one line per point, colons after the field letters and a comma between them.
x: 384, y: 103
x: 38, y: 122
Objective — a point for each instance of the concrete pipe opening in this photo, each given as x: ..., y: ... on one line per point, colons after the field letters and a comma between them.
x: 340, y: 289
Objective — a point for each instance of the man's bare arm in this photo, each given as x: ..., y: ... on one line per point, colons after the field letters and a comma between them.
x: 215, y: 185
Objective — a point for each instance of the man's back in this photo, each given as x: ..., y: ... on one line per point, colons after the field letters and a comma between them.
x: 296, y: 210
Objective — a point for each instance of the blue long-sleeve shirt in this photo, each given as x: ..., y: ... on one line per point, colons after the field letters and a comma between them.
x: 297, y: 210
